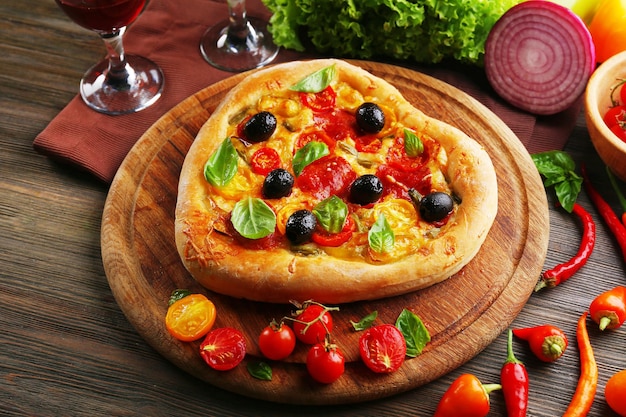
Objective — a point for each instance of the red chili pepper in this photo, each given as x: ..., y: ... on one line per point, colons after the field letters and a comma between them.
x: 562, y: 272
x: 468, y: 395
x: 618, y: 192
x: 609, y: 308
x: 588, y: 380
x: 607, y: 213
x: 547, y: 342
x: 514, y: 381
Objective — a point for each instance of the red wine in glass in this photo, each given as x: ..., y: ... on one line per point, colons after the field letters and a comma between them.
x: 122, y: 83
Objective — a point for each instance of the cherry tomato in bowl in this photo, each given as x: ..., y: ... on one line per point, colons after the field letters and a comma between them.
x: 615, y: 391
x: 325, y: 363
x: 382, y: 348
x: 312, y: 324
x: 615, y: 115
x: 223, y: 348
x: 277, y: 341
x: 190, y: 318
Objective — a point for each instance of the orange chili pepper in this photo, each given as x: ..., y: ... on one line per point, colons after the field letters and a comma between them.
x: 588, y: 380
x: 609, y: 308
x: 466, y: 394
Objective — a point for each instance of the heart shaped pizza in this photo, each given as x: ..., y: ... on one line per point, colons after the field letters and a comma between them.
x: 318, y: 180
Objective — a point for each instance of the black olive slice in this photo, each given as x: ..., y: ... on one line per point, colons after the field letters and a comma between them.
x: 366, y: 189
x: 259, y: 127
x: 370, y: 118
x: 300, y: 226
x: 436, y: 206
x: 277, y: 184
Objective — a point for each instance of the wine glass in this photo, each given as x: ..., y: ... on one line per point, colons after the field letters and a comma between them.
x: 239, y: 43
x: 121, y: 83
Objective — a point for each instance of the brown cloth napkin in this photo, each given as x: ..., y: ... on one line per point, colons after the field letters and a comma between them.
x: 168, y: 32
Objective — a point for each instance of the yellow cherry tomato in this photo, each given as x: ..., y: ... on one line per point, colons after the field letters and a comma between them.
x: 608, y: 29
x: 190, y: 318
x: 615, y: 392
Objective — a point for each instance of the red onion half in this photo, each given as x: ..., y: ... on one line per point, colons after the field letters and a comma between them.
x: 539, y: 56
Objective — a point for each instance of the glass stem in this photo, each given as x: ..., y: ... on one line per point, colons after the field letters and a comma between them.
x: 239, y: 30
x: 117, y: 75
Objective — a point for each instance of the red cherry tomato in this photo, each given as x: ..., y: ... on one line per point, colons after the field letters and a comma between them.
x: 315, y: 135
x: 615, y: 391
x: 320, y: 102
x: 368, y: 143
x: 264, y: 160
x: 620, y: 131
x: 324, y: 238
x: 223, y: 349
x: 325, y: 364
x: 320, y: 321
x: 398, y: 159
x: 277, y: 341
x: 326, y: 176
x: 615, y: 115
x: 382, y: 348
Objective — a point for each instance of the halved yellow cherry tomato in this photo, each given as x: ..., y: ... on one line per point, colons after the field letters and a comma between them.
x: 190, y: 318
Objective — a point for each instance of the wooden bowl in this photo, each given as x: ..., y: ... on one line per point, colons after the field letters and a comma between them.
x: 612, y: 150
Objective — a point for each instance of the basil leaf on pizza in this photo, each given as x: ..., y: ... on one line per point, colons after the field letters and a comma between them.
x: 413, y: 146
x: 316, y: 82
x: 380, y: 236
x: 331, y: 214
x: 221, y: 166
x: 252, y: 218
x: 310, y: 152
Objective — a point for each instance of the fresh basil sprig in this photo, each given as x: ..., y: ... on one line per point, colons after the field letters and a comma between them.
x: 558, y: 169
x: 331, y: 214
x: 222, y: 165
x: 413, y: 145
x: 253, y: 218
x: 415, y: 333
x: 310, y: 152
x: 315, y: 82
x: 380, y: 236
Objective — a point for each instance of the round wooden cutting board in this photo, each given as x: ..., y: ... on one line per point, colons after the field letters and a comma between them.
x: 463, y: 314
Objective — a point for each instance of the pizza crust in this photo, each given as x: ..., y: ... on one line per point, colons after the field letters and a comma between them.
x: 281, y: 275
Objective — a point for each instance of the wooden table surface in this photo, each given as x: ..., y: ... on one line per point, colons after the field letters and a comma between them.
x: 66, y: 348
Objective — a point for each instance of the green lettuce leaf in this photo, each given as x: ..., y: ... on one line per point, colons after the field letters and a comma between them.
x: 426, y: 31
